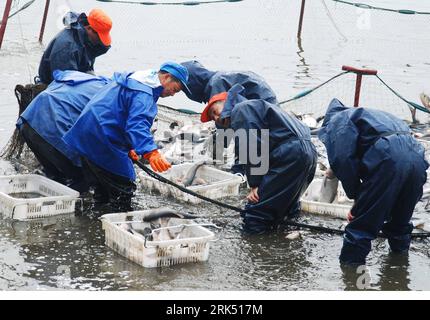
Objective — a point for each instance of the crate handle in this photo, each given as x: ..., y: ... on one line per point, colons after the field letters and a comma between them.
x: 241, y: 175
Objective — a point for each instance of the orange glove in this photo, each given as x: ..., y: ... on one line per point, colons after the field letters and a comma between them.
x: 157, y: 161
x: 133, y: 155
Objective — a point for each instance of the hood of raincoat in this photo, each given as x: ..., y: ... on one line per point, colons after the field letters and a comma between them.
x: 333, y: 109
x: 199, y: 77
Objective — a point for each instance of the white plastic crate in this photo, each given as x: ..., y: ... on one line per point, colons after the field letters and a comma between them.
x: 192, y: 246
x: 338, y: 209
x: 56, y: 198
x: 220, y: 183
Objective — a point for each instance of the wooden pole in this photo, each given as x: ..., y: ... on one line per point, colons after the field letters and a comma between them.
x: 45, y: 16
x: 4, y: 20
x: 302, y: 13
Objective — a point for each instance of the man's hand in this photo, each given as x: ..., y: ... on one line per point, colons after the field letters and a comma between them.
x: 350, y: 217
x: 157, y: 161
x: 253, y: 195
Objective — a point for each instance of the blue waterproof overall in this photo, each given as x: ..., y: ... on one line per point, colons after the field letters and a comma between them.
x: 382, y: 167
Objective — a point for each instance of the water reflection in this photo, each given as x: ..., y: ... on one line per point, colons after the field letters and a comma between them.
x: 394, y: 272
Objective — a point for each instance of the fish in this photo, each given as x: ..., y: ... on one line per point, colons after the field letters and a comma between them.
x: 310, y: 121
x: 191, y: 174
x: 294, y: 235
x: 328, y: 189
x: 413, y: 114
x: 127, y: 227
x: 422, y: 225
x: 167, y: 213
x: 425, y: 99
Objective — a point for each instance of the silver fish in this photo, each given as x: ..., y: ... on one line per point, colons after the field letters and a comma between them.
x: 166, y: 213
x: 191, y: 174
x: 328, y: 189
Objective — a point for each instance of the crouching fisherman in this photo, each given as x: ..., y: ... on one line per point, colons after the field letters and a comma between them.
x: 284, y: 141
x: 50, y: 115
x: 204, y: 84
x: 382, y: 167
x: 117, y: 120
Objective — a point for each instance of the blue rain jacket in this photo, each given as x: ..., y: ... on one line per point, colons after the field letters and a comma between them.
x: 204, y: 84
x: 292, y: 162
x: 115, y: 121
x: 71, y: 49
x: 55, y: 110
x: 382, y: 167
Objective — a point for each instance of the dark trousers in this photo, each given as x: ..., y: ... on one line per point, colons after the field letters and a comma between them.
x: 55, y: 164
x: 280, y: 190
x: 386, y: 201
x: 109, y: 188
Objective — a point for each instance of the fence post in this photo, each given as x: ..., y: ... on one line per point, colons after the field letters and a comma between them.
x: 359, y: 73
x: 4, y: 20
x: 302, y: 13
x: 45, y: 15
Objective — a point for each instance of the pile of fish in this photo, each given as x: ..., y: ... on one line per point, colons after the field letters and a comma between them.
x: 189, y: 178
x: 157, y: 225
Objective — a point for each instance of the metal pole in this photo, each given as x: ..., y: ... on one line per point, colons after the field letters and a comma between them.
x: 302, y: 13
x: 4, y: 20
x: 45, y: 15
x: 359, y: 73
x: 357, y: 89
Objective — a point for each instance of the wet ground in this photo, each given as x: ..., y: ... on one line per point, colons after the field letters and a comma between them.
x: 69, y: 253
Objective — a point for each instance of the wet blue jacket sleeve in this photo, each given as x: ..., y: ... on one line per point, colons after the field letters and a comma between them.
x: 341, y: 142
x: 141, y: 116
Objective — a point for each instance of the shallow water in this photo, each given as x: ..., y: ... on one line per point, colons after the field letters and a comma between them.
x: 69, y: 253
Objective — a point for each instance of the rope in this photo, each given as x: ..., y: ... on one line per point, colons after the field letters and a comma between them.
x: 185, y: 3
x: 230, y: 207
x: 25, y: 6
x: 410, y: 103
x: 305, y: 93
x: 366, y: 6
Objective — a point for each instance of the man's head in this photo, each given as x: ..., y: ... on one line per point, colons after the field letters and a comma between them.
x: 98, y: 28
x: 213, y: 110
x: 173, y: 77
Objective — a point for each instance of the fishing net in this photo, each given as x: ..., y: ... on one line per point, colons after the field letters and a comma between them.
x: 24, y: 95
x: 351, y: 21
x: 375, y: 93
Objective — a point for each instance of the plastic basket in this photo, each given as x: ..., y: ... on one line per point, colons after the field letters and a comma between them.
x: 56, y: 198
x: 338, y: 209
x: 193, y: 246
x: 220, y: 183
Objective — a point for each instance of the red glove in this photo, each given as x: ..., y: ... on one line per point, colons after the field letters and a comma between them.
x: 157, y: 161
x: 133, y: 155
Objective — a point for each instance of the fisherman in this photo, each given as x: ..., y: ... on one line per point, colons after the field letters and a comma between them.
x: 382, y: 167
x: 50, y: 115
x: 292, y: 157
x: 116, y: 124
x: 78, y: 45
x: 204, y: 84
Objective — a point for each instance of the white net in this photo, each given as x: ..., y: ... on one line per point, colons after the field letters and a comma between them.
x: 374, y: 94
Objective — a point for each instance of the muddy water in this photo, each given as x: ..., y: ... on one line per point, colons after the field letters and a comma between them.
x: 69, y: 253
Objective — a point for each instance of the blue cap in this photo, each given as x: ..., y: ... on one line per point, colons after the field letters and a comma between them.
x: 179, y: 72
